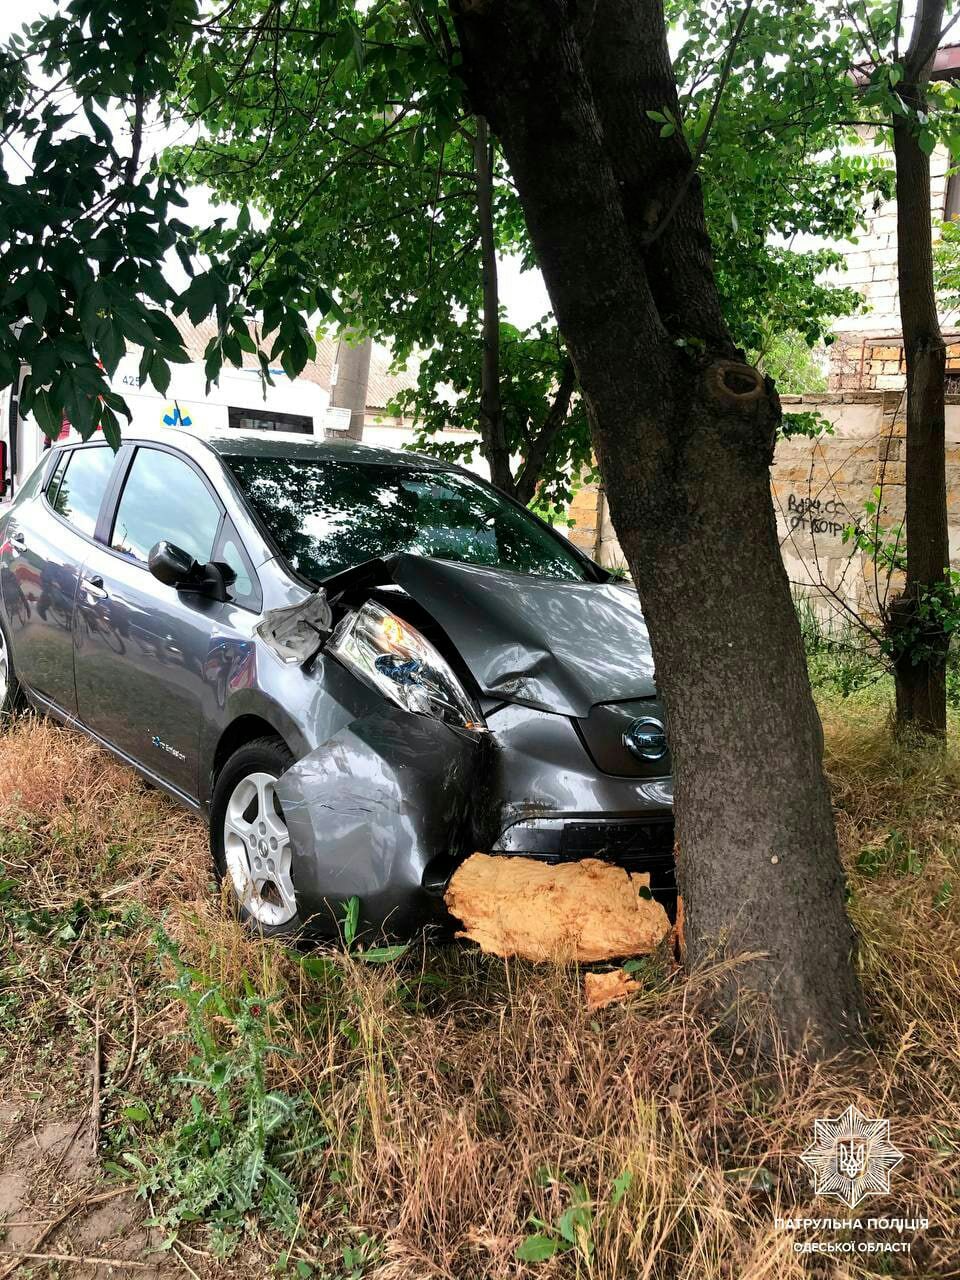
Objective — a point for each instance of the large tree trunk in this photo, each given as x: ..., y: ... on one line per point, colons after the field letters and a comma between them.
x: 684, y: 436
x: 920, y: 667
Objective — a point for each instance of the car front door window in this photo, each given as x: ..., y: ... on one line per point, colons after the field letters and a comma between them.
x: 165, y: 499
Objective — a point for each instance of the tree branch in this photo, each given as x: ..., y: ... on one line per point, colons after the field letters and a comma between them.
x: 495, y: 446
x: 540, y: 445
x: 136, y: 142
x: 705, y: 136
x: 928, y: 31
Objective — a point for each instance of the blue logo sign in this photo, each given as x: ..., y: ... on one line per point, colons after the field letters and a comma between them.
x: 175, y: 418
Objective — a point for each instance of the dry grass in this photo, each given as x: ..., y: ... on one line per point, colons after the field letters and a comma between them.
x: 460, y: 1095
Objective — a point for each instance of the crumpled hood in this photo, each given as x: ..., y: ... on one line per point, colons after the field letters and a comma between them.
x: 559, y: 646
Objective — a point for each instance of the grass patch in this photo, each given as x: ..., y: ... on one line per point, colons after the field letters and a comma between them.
x: 451, y: 1115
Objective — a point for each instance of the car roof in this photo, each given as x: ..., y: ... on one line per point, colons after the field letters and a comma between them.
x: 278, y: 444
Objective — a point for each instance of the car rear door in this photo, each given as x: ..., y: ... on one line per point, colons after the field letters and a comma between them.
x: 48, y: 537
x: 145, y: 652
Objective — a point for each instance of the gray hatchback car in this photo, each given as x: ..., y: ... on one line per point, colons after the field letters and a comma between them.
x: 359, y: 665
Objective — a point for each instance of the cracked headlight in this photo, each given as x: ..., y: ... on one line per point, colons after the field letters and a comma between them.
x: 396, y: 660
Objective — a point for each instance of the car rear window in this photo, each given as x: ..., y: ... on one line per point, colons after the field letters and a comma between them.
x: 79, y: 485
x: 326, y: 515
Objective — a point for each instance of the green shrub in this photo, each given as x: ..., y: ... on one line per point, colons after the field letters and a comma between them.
x: 841, y: 658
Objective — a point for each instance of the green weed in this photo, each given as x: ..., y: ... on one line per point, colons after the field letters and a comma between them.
x: 236, y: 1145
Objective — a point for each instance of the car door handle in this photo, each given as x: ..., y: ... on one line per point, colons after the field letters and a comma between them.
x: 17, y: 539
x: 94, y: 588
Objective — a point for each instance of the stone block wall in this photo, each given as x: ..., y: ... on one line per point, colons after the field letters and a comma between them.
x: 820, y: 488
x: 587, y: 512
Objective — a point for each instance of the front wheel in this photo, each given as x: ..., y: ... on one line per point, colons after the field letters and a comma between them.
x: 250, y: 841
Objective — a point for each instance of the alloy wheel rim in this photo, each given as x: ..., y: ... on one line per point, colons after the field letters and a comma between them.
x: 257, y: 848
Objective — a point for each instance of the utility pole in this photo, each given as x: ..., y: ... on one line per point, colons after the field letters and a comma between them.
x: 349, y: 390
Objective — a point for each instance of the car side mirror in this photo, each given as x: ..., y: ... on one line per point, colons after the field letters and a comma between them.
x: 172, y: 566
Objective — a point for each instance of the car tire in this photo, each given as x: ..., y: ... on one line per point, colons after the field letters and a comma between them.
x: 11, y: 695
x: 249, y: 839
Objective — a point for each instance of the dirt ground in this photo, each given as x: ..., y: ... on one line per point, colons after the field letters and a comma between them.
x: 55, y: 1205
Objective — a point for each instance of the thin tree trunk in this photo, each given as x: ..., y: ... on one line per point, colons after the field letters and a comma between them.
x: 920, y: 669
x: 492, y: 433
x: 538, y: 450
x: 350, y: 389
x: 684, y: 437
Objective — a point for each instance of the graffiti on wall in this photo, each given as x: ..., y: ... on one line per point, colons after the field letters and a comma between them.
x: 816, y: 515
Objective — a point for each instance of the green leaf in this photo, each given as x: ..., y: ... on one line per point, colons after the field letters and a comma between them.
x: 621, y: 1185
x: 351, y: 919
x: 318, y: 966
x: 47, y: 415
x: 199, y: 75
x: 574, y: 1223
x: 538, y: 1248
x: 110, y: 424
x: 37, y: 306
x: 160, y: 374
x: 383, y: 955
x: 199, y: 298
x: 417, y: 145
x: 110, y: 344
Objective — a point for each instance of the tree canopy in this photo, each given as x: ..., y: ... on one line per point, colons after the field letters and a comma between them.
x: 349, y: 131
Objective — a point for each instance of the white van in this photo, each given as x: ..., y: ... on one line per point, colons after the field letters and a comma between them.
x: 237, y: 401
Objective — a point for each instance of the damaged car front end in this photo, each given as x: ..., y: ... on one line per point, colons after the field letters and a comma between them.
x: 503, y: 713
x: 364, y: 667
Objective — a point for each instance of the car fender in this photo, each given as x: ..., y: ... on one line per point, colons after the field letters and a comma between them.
x: 246, y: 702
x: 382, y: 811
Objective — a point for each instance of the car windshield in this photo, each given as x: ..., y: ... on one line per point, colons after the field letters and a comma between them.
x: 328, y: 515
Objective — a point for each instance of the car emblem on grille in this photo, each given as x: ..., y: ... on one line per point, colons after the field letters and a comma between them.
x: 646, y: 739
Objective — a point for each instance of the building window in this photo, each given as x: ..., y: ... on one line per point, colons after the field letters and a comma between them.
x: 268, y: 420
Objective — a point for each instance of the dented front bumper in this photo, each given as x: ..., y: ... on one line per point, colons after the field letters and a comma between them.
x: 381, y: 812
x: 390, y: 805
